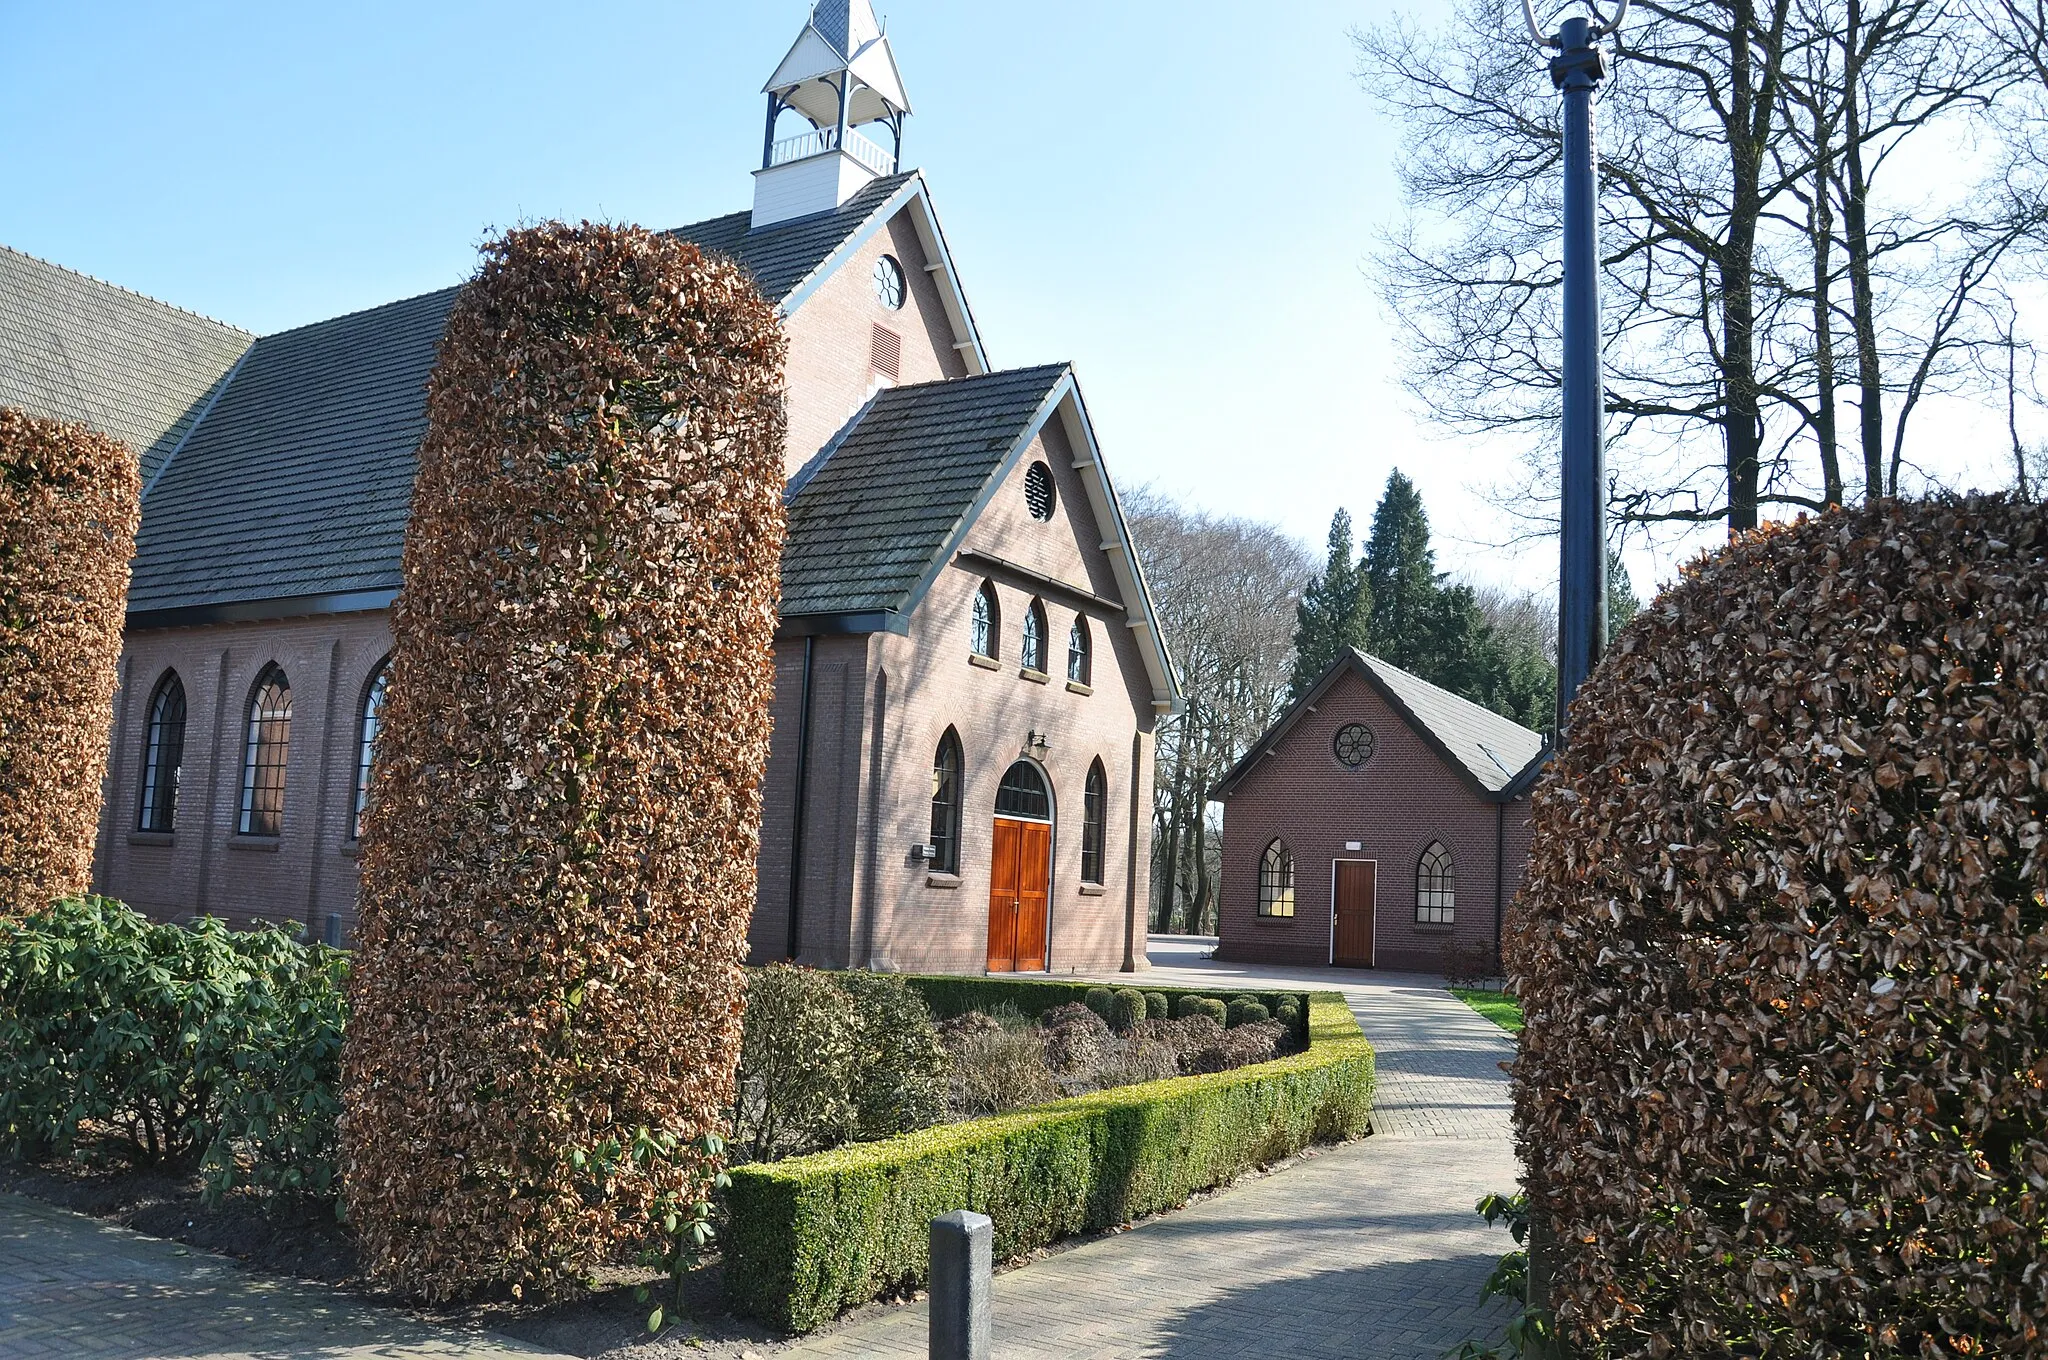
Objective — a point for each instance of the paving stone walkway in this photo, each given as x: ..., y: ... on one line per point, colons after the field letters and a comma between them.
x: 1366, y: 1252
x: 74, y: 1288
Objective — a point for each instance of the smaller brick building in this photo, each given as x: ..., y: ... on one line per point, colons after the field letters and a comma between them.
x: 1379, y: 822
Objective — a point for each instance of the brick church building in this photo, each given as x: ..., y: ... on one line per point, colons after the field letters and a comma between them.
x: 1380, y: 822
x: 968, y: 671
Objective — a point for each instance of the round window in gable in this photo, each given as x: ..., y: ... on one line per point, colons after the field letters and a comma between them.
x: 889, y: 282
x: 1355, y: 744
x: 1038, y: 492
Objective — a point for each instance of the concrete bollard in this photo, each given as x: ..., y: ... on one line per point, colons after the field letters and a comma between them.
x: 963, y: 1262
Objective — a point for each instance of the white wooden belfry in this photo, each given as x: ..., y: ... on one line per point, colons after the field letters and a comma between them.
x: 841, y: 76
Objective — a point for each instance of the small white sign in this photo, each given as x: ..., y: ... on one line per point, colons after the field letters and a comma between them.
x: 1354, y: 845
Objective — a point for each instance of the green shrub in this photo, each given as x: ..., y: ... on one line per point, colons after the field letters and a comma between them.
x: 1211, y: 1006
x: 1157, y: 1007
x: 1289, y: 1015
x: 900, y: 1074
x: 1245, y: 1011
x: 1126, y: 1008
x: 202, y: 1045
x: 1076, y: 1040
x: 800, y: 1039
x: 813, y: 1236
x: 1099, y: 999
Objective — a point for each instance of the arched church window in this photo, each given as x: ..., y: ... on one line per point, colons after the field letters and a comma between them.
x: 945, y: 831
x: 1436, y: 897
x: 163, y: 756
x: 1094, y: 808
x: 1078, y: 659
x: 1023, y: 794
x: 372, y: 715
x: 264, y: 757
x: 1276, y: 880
x: 1034, y: 638
x: 987, y: 623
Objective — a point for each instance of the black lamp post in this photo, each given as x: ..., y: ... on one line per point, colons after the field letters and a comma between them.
x: 1576, y: 71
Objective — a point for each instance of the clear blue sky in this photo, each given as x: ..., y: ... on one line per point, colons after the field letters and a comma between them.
x: 1179, y: 197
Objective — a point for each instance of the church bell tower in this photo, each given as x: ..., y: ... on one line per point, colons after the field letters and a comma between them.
x: 841, y: 78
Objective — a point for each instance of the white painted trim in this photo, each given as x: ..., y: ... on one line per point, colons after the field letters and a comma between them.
x: 1331, y: 957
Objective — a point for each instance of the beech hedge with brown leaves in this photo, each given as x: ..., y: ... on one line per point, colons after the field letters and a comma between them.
x: 1784, y: 955
x: 558, y: 866
x: 70, y: 503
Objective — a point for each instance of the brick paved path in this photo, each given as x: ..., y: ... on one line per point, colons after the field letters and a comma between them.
x: 1366, y: 1252
x: 74, y: 1288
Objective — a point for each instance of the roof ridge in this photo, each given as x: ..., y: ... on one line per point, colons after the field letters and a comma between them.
x: 134, y: 293
x: 364, y: 311
x: 1027, y: 370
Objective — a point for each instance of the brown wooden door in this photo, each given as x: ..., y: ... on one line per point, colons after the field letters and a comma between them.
x: 1036, y: 866
x: 1351, y: 932
x: 1018, y: 871
x: 1004, y: 894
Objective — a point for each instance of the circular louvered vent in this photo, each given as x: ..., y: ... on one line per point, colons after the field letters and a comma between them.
x: 1038, y: 493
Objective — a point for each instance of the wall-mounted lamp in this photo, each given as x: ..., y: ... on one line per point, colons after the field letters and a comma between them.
x: 1036, y: 746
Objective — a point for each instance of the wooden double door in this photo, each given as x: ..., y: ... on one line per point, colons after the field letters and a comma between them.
x: 1021, y: 867
x: 1351, y: 909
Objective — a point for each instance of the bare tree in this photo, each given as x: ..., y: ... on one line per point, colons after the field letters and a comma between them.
x: 1764, y: 247
x: 1226, y: 591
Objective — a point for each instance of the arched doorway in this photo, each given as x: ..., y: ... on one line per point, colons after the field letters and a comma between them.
x: 1020, y: 871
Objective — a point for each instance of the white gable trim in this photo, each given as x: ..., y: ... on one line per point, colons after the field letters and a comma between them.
x: 915, y: 196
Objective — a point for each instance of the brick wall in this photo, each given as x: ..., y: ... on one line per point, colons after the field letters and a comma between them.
x: 831, y: 338
x: 309, y: 870
x: 1393, y: 808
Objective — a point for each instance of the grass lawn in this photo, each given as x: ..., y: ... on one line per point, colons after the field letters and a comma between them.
x: 1498, y: 1007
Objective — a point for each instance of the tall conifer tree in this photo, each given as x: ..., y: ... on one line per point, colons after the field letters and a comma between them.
x: 1335, y: 611
x: 1400, y: 571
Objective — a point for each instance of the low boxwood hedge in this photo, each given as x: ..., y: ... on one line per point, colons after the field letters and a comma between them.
x: 813, y: 1236
x: 950, y: 996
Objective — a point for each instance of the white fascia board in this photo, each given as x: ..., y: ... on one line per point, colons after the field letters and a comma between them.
x: 1123, y: 558
x: 913, y: 193
x: 809, y: 57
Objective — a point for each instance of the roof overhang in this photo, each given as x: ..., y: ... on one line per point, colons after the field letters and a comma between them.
x: 915, y: 197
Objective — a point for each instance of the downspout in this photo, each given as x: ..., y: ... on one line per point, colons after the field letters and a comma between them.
x: 1131, y: 867
x: 1500, y: 822
x: 803, y: 789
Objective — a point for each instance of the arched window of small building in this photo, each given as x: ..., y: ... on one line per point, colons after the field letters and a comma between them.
x: 372, y: 713
x: 1276, y: 880
x: 263, y: 760
x: 1094, y: 808
x: 1034, y: 638
x: 945, y: 833
x: 1436, y: 897
x: 163, y: 756
x: 1078, y: 651
x: 988, y: 621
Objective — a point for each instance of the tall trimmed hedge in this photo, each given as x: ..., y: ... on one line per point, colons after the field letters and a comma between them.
x: 1783, y: 952
x: 814, y: 1236
x: 559, y: 857
x: 70, y: 502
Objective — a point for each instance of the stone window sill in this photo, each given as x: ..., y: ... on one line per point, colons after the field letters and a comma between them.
x: 259, y: 844
x: 987, y: 663
x: 1437, y: 927
x: 152, y: 838
x: 1092, y: 890
x: 1274, y: 920
x: 942, y: 880
x: 1076, y: 687
x: 1035, y: 677
x: 351, y: 849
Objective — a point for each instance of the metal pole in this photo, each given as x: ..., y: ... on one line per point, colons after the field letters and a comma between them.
x: 1577, y: 71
